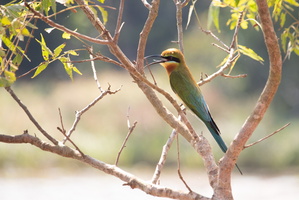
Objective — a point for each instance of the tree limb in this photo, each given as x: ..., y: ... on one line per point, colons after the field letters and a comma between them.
x: 227, y: 163
x: 130, y: 179
x: 32, y: 119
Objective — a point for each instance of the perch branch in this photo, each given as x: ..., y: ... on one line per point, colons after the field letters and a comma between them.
x: 227, y: 163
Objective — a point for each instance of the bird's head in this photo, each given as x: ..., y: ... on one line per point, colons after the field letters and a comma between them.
x: 170, y: 59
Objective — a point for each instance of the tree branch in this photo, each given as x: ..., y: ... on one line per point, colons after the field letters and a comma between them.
x: 264, y: 138
x: 32, y: 119
x: 227, y: 163
x: 130, y: 179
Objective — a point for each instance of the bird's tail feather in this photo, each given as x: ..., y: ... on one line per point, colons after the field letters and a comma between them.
x: 216, y: 134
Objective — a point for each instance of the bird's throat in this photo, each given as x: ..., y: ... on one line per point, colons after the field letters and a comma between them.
x: 169, y: 66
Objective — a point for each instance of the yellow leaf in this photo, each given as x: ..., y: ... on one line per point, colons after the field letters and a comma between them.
x: 5, y: 21
x: 66, y: 36
x: 250, y: 53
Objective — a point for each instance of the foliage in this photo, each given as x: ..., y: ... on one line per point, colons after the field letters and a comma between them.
x: 281, y: 11
x: 17, y: 25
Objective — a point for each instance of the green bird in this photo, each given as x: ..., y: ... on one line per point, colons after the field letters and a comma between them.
x: 185, y: 86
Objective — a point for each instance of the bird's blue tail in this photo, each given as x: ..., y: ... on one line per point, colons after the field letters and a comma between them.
x: 216, y: 134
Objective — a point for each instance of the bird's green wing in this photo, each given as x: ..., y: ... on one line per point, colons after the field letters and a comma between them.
x: 188, y: 91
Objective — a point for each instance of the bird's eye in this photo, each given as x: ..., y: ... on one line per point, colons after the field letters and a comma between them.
x: 171, y: 58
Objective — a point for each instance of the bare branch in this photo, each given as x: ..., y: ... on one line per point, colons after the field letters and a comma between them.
x: 227, y: 163
x: 230, y: 60
x: 235, y: 36
x: 81, y: 112
x: 64, y: 29
x: 32, y: 119
x: 131, y: 129
x: 119, y: 23
x: 236, y: 76
x: 179, y: 164
x: 264, y: 138
x: 153, y: 13
x: 130, y: 179
x: 95, y: 77
x: 163, y: 156
x: 179, y: 19
x: 146, y: 4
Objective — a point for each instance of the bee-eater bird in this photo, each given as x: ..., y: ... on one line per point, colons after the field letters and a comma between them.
x: 185, y: 86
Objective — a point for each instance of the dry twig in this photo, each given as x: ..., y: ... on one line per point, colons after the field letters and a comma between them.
x: 264, y: 138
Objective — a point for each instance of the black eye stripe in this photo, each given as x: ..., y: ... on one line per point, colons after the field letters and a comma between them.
x: 171, y: 58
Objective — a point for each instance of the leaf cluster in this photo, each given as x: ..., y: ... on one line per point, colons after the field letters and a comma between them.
x: 282, y: 10
x: 17, y: 24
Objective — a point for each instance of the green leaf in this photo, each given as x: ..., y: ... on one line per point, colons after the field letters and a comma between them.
x: 72, y: 52
x: 250, y: 53
x: 69, y: 67
x: 104, y: 14
x: 16, y: 62
x: 75, y: 69
x: 8, y: 79
x: 46, y: 6
x: 9, y: 44
x: 53, y: 5
x: 284, y: 37
x: 45, y: 50
x: 282, y: 19
x: 296, y: 50
x: 293, y: 2
x: 213, y: 16
x: 40, y: 68
x: 58, y: 50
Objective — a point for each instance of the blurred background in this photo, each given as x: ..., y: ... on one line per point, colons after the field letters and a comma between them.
x: 103, y: 128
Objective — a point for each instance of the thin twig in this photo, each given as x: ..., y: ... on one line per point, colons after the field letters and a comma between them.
x: 146, y: 4
x: 61, y: 121
x: 81, y: 112
x: 119, y: 24
x: 131, y: 129
x: 236, y: 76
x: 163, y: 156
x: 32, y: 119
x: 264, y: 138
x: 64, y: 29
x: 179, y: 20
x: 95, y: 77
x: 235, y: 36
x: 231, y: 59
x: 179, y: 164
x: 208, y: 32
x: 69, y: 139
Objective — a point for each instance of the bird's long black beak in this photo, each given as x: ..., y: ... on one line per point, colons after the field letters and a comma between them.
x: 160, y: 59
